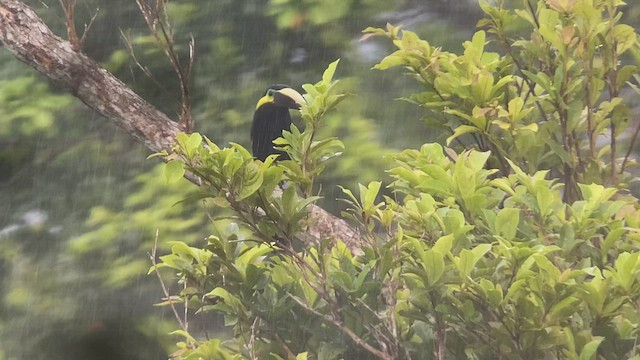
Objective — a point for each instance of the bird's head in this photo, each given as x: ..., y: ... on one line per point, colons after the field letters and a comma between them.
x: 283, y: 96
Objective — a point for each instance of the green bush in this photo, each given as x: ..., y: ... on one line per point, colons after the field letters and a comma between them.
x: 520, y: 244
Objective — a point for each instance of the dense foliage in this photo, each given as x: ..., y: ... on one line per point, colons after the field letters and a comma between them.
x: 520, y: 243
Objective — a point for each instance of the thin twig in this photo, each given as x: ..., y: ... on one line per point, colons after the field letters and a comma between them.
x: 183, y: 325
x: 87, y: 27
x: 290, y: 354
x: 143, y: 68
x: 68, y: 6
x: 252, y: 340
x: 392, y: 301
x: 612, y: 78
x: 633, y: 142
x: 185, y: 320
x: 157, y: 20
x: 353, y: 336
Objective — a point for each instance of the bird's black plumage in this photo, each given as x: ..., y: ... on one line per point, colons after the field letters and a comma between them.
x: 270, y: 119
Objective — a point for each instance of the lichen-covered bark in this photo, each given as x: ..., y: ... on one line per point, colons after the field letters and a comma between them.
x: 26, y: 36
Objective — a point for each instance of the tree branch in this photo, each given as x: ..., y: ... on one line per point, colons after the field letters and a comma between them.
x: 29, y: 39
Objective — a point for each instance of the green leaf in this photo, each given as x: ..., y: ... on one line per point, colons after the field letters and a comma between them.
x: 589, y: 350
x: 327, y: 76
x: 252, y: 254
x: 189, y: 143
x: 417, y: 246
x: 310, y: 90
x: 213, y: 148
x: 433, y: 266
x: 193, y: 143
x: 252, y: 181
x: 180, y: 248
x: 302, y: 205
x: 625, y: 37
x: 541, y: 79
x: 242, y: 151
x: 493, y: 292
x: 476, y: 160
x: 288, y: 202
x: 507, y: 222
x: 468, y: 259
x: 478, y: 40
x: 503, y: 184
x: 368, y: 198
x: 184, y: 334
x: 342, y: 279
x: 612, y: 237
x: 626, y: 268
x: 218, y: 292
x: 349, y: 193
x: 174, y: 171
x: 444, y: 244
x: 162, y: 153
x: 563, y: 309
x: 396, y: 59
x: 461, y: 130
x: 624, y: 74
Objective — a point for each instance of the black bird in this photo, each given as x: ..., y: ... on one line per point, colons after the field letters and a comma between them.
x: 271, y: 118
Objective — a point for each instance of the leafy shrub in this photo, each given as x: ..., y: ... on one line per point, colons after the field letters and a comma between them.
x: 522, y: 244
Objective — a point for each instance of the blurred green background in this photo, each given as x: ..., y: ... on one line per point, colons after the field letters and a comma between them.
x: 80, y: 204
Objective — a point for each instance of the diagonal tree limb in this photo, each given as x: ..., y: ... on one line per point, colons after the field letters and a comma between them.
x: 26, y: 36
x: 29, y: 39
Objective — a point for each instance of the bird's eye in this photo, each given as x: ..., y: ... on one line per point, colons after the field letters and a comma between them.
x: 270, y: 92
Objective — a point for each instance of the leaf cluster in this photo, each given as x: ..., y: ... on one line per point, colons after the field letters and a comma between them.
x: 513, y: 247
x: 544, y: 101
